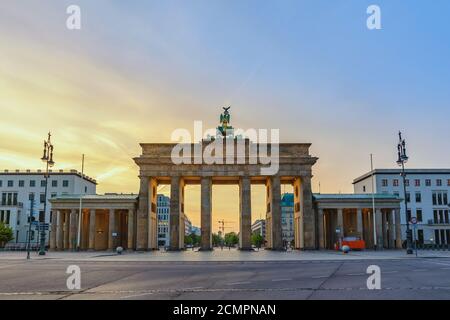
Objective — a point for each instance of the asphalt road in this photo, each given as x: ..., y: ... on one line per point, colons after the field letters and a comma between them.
x: 400, y: 279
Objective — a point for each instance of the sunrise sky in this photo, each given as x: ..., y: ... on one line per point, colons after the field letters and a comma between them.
x: 137, y: 70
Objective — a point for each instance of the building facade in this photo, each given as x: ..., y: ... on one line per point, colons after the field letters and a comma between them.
x: 287, y: 218
x: 427, y: 192
x: 259, y: 227
x: 17, y: 188
x: 163, y: 212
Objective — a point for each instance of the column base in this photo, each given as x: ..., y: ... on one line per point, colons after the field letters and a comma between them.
x: 205, y: 249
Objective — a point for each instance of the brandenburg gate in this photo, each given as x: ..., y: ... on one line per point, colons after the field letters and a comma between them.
x: 157, y: 167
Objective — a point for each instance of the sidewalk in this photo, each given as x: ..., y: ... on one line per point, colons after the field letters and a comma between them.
x: 223, y: 256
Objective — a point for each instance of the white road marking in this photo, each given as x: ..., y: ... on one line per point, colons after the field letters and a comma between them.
x: 384, y: 272
x: 286, y: 279
x: 136, y: 295
x: 236, y: 283
x: 355, y: 274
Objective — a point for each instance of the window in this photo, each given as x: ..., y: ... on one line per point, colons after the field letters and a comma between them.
x: 428, y: 182
x: 396, y: 194
x: 446, y: 217
x: 42, y: 183
x: 417, y: 182
x: 408, y: 215
x: 407, y: 182
x: 408, y: 197
x: 1, y: 183
x: 32, y: 183
x: 384, y: 182
x: 66, y: 183
x: 42, y: 197
x: 436, y: 236
x: 31, y: 196
x: 53, y: 195
x: 418, y: 197
x: 364, y: 188
x: 419, y: 215
x: 440, y: 198
x: 448, y: 183
x: 54, y: 183
x: 395, y: 182
x: 21, y: 183
x: 435, y: 216
x: 439, y: 182
x: 10, y: 183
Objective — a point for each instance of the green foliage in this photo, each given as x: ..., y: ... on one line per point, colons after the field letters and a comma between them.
x: 257, y: 240
x: 231, y: 239
x: 6, y: 234
x: 216, y: 240
x: 192, y: 239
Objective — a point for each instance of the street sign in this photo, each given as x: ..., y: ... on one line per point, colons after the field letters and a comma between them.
x: 414, y: 220
x: 338, y: 230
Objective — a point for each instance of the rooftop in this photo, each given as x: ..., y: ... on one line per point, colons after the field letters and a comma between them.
x: 353, y: 196
x: 397, y: 171
x: 107, y: 196
x: 51, y: 172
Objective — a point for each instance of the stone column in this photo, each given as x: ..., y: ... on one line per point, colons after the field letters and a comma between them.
x: 92, y: 230
x: 142, y: 215
x: 152, y: 215
x: 309, y: 221
x: 53, y: 230
x: 321, y: 229
x: 340, y: 222
x: 66, y: 230
x: 73, y: 229
x: 111, y: 229
x: 385, y: 229
x: 391, y: 229
x: 60, y: 231
x: 206, y: 213
x: 298, y: 220
x: 130, y: 239
x: 245, y: 218
x: 398, y: 230
x: 175, y: 213
x: 274, y: 202
x: 379, y: 227
x: 359, y: 223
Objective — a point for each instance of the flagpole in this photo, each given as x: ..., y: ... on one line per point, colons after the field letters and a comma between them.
x: 373, y: 205
x: 80, y: 213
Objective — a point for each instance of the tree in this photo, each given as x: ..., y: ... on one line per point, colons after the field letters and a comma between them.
x: 6, y: 234
x: 231, y: 239
x: 188, y: 240
x: 257, y: 240
x: 216, y: 239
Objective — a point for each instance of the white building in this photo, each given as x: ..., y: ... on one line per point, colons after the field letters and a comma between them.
x: 427, y: 199
x: 287, y: 217
x: 259, y: 226
x: 17, y: 188
x: 163, y: 213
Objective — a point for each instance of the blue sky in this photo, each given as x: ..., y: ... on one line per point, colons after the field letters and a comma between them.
x: 137, y: 70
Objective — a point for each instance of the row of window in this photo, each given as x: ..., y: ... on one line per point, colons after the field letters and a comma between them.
x: 417, y: 182
x: 439, y: 198
x: 32, y: 183
x: 439, y: 216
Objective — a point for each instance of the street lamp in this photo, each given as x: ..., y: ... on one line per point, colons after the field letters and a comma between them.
x: 402, y: 159
x: 48, y: 159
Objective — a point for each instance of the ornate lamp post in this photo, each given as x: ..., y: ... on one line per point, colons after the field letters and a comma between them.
x: 48, y: 159
x: 402, y: 159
